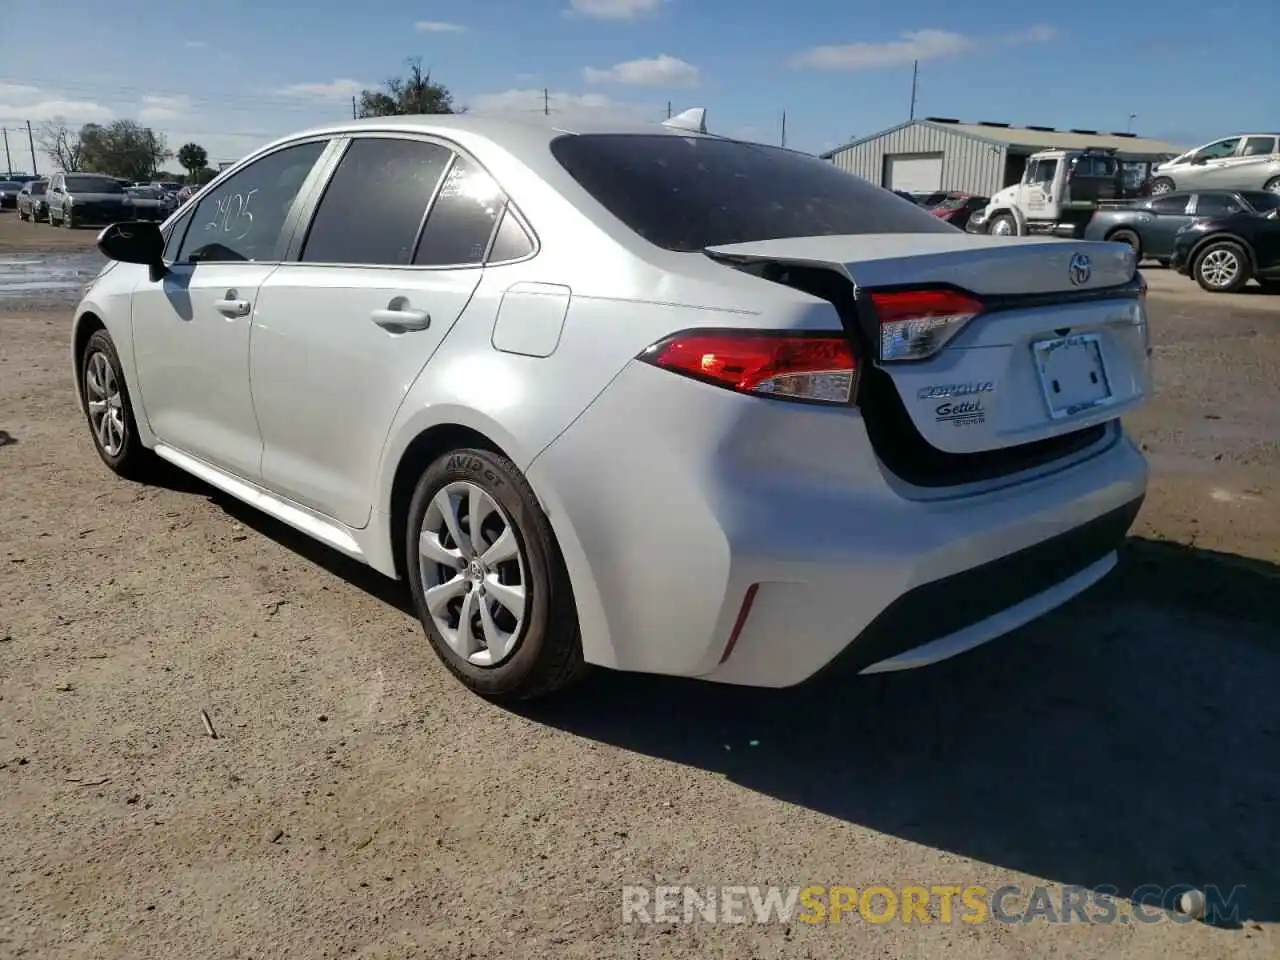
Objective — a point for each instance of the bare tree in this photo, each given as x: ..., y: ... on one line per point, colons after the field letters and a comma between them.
x: 62, y: 144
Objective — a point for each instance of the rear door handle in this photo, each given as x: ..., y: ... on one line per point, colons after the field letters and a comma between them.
x: 230, y: 306
x: 401, y: 321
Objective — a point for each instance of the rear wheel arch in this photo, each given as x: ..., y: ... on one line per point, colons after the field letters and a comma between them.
x: 1224, y: 237
x: 421, y: 452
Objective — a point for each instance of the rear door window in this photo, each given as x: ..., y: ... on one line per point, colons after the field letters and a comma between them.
x: 687, y: 193
x: 1217, y: 205
x: 462, y: 219
x: 1258, y: 147
x: 1174, y: 203
x: 373, y: 207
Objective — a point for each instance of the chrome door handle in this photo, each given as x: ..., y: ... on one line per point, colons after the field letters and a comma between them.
x: 232, y: 308
x: 401, y: 321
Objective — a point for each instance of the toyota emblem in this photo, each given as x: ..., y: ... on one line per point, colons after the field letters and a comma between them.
x: 1080, y: 269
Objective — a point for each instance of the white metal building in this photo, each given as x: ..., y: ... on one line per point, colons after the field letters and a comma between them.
x: 939, y: 153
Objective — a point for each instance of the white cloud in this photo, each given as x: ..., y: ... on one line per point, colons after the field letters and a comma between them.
x: 17, y: 91
x: 438, y: 26
x: 561, y: 105
x: 660, y: 71
x: 917, y: 45
x: 73, y: 111
x: 613, y: 9
x: 337, y: 88
x: 158, y: 109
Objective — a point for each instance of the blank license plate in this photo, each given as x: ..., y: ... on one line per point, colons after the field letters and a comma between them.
x: 1072, y: 374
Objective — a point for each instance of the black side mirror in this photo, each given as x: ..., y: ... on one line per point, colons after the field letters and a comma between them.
x: 135, y: 242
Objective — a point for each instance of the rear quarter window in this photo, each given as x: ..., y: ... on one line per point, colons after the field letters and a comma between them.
x: 687, y: 193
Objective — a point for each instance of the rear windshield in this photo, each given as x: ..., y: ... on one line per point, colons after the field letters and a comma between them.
x: 82, y: 184
x: 688, y: 193
x: 1264, y: 201
x: 1105, y: 167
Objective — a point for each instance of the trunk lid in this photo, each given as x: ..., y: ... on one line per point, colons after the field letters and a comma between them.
x: 1054, y: 349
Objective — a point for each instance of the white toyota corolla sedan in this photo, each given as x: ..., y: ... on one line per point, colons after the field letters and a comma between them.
x: 635, y: 396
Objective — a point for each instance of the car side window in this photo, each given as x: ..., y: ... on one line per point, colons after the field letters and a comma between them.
x: 1258, y: 147
x: 1216, y: 151
x: 373, y: 207
x: 174, y: 239
x: 1174, y: 203
x: 512, y: 241
x: 1217, y: 205
x: 243, y: 218
x: 462, y: 219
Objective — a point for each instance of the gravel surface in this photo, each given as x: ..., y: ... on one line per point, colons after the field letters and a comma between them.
x: 356, y: 802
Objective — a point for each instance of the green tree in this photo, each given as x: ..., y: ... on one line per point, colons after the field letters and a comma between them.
x: 193, y: 158
x: 412, y: 93
x: 122, y: 148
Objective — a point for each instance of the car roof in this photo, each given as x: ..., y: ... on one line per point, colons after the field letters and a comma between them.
x: 517, y: 134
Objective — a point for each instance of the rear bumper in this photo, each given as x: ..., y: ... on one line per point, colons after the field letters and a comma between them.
x: 948, y: 616
x: 672, y: 500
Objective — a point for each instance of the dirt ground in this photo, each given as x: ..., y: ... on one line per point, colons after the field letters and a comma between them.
x: 358, y: 803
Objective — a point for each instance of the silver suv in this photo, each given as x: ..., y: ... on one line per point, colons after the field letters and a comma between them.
x: 1249, y: 161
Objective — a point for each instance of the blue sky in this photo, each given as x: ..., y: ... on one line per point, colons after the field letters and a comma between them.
x: 233, y: 74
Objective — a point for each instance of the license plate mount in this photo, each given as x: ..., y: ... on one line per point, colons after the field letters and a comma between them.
x: 1073, y: 374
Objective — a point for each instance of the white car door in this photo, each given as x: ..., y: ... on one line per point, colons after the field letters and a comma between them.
x: 191, y: 327
x: 342, y: 333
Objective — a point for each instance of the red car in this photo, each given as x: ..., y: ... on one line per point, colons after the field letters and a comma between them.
x: 957, y: 208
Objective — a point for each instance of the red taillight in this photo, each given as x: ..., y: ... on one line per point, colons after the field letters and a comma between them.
x: 915, y: 324
x: 1142, y: 287
x: 791, y: 366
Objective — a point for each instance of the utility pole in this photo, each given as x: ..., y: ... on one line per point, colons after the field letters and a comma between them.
x: 915, y: 75
x: 8, y: 163
x: 784, y: 128
x: 1129, y: 126
x: 354, y: 115
x: 546, y: 102
x: 31, y: 142
x: 668, y: 109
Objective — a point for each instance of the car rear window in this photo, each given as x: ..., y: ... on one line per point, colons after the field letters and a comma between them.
x: 1264, y: 201
x: 688, y: 193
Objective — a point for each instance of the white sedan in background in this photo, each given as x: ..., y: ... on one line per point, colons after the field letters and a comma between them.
x: 634, y: 396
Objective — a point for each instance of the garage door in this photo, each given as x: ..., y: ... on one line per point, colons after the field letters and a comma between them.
x: 914, y: 172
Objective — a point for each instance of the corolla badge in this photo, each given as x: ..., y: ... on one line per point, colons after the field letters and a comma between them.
x: 945, y: 390
x: 1080, y: 269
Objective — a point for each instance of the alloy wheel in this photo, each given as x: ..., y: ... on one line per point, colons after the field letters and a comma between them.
x: 1219, y: 267
x: 474, y: 573
x: 106, y: 406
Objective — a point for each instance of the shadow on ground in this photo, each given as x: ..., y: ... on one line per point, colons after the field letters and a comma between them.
x: 1128, y: 739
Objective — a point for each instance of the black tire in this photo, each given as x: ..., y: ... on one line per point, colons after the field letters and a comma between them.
x: 1129, y: 237
x: 52, y: 222
x: 546, y: 653
x: 1272, y: 185
x: 68, y: 220
x: 23, y: 216
x: 1161, y: 185
x: 132, y: 460
x: 1002, y: 218
x: 1205, y: 258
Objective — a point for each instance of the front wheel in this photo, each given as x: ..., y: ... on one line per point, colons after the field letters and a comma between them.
x: 1161, y: 185
x: 1002, y: 225
x: 488, y: 580
x: 1272, y: 185
x: 68, y: 220
x: 105, y: 399
x: 1221, y: 267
